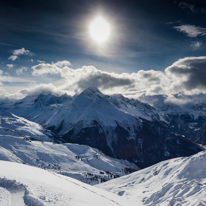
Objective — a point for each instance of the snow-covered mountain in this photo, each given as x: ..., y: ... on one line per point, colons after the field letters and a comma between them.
x: 188, y: 120
x: 26, y: 185
x: 120, y: 127
x: 180, y: 181
x: 78, y: 161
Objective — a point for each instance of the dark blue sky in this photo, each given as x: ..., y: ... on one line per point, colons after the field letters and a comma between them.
x: 145, y: 35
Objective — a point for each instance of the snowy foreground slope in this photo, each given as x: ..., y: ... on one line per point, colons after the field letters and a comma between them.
x: 180, y: 181
x: 25, y: 185
x: 78, y: 161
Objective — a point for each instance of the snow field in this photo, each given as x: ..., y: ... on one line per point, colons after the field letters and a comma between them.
x: 33, y: 186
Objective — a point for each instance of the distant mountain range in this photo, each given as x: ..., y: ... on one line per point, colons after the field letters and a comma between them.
x: 120, y: 127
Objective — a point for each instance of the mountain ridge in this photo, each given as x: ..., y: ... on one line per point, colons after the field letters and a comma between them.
x: 118, y: 126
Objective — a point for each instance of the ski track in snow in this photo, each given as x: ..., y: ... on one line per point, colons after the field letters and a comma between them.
x: 86, y: 188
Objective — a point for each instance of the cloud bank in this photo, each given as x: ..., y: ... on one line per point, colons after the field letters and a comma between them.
x: 186, y: 76
x: 178, y: 83
x: 189, y: 73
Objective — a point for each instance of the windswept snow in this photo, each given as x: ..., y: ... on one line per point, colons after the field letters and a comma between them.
x: 180, y: 181
x: 25, y: 185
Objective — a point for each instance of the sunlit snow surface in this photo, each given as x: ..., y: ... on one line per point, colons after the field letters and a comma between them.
x: 180, y: 181
x: 26, y: 185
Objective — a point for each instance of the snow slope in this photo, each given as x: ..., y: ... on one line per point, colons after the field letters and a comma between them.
x: 79, y: 161
x: 24, y: 128
x: 135, y: 107
x: 180, y: 181
x: 25, y: 185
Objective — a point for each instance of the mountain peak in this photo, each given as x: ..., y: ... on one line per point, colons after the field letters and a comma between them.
x: 92, y: 91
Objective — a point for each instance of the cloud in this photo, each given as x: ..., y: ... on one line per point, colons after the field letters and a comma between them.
x: 10, y: 66
x: 185, y: 5
x: 41, y: 62
x: 45, y: 68
x: 42, y: 89
x: 93, y: 77
x: 13, y: 57
x: 189, y: 73
x: 62, y: 64
x: 16, y: 53
x: 83, y: 77
x: 21, y: 70
x: 191, y: 7
x: 87, y: 76
x: 53, y: 68
x: 176, y: 84
x: 4, y: 78
x: 196, y: 45
x: 191, y: 30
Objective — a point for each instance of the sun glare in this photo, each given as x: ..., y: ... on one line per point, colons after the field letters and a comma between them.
x: 99, y: 30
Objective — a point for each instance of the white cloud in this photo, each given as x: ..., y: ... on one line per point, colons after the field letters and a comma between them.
x: 45, y: 68
x: 191, y: 30
x: 10, y: 66
x: 41, y: 62
x: 13, y: 57
x: 59, y: 67
x: 21, y: 70
x: 196, y: 45
x: 16, y: 53
x: 62, y: 64
x: 4, y: 78
x: 82, y: 78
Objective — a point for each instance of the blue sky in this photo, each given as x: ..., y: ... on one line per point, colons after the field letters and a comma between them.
x: 145, y: 35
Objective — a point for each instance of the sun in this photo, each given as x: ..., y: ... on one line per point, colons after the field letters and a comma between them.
x: 99, y: 30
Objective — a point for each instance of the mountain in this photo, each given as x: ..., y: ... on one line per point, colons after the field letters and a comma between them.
x: 120, y: 127
x: 188, y: 120
x: 26, y: 185
x: 81, y: 162
x: 180, y: 181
